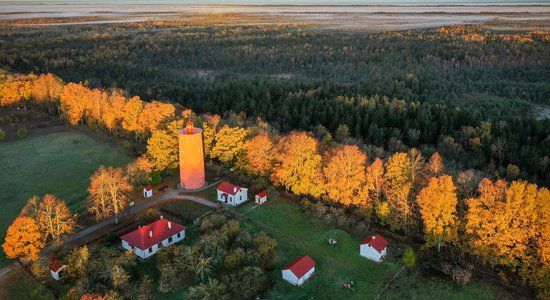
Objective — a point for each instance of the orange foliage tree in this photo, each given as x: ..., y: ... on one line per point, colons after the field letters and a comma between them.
x: 298, y: 165
x: 139, y: 171
x: 23, y: 240
x: 375, y: 179
x: 114, y: 110
x: 437, y: 203
x: 47, y: 88
x: 108, y: 190
x: 258, y: 154
x: 345, y: 176
x: 54, y: 218
x: 504, y: 222
x: 75, y: 101
x: 435, y: 165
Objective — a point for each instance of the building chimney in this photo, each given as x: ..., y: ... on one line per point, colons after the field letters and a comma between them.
x: 234, y: 189
x: 161, y: 216
x: 150, y: 233
x: 170, y: 225
x: 374, y: 237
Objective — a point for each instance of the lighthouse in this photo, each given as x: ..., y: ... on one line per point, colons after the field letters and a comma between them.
x: 191, y: 157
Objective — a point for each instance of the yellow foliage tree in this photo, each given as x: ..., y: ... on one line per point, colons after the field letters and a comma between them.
x: 345, y: 176
x: 375, y: 179
x: 298, y: 165
x: 131, y: 118
x: 437, y: 203
x: 154, y: 114
x: 163, y: 147
x: 229, y: 142
x: 23, y: 240
x: 398, y: 188
x: 47, y: 88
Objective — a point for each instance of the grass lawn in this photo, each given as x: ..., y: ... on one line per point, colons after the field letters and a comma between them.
x: 17, y: 284
x: 184, y: 210
x: 297, y: 234
x: 56, y: 163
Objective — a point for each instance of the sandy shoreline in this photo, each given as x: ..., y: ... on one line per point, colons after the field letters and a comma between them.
x: 331, y: 16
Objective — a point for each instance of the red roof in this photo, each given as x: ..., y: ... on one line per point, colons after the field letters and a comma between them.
x: 300, y: 266
x: 55, y: 265
x: 148, y: 188
x: 229, y: 188
x: 262, y: 194
x: 141, y: 239
x: 376, y: 241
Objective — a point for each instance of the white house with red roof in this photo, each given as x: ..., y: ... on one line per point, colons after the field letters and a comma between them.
x: 147, y: 191
x: 56, y: 269
x: 261, y: 197
x: 147, y: 240
x: 299, y: 270
x: 373, y: 247
x: 231, y: 194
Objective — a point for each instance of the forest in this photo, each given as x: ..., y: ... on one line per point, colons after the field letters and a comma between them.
x: 464, y: 90
x: 463, y: 217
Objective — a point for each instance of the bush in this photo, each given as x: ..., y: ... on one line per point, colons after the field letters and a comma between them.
x: 148, y: 216
x: 458, y: 274
x: 155, y: 178
x: 2, y: 134
x: 409, y: 257
x: 22, y: 132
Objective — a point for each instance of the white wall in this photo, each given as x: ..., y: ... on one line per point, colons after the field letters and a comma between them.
x: 240, y: 197
x: 260, y: 200
x: 290, y: 277
x: 369, y: 252
x: 154, y: 249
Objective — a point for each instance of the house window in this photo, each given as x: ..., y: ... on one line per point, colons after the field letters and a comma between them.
x: 150, y: 249
x: 179, y: 235
x: 169, y: 239
x: 159, y: 245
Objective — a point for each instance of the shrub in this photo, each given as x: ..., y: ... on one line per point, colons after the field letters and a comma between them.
x: 22, y: 132
x: 148, y: 216
x: 2, y: 134
x: 155, y: 178
x: 409, y: 257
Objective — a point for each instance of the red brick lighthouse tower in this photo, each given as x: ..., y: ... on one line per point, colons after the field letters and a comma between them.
x: 191, y: 157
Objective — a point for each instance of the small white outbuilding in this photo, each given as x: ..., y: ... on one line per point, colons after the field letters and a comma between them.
x: 231, y: 194
x: 373, y: 247
x: 261, y: 197
x: 147, y: 191
x: 299, y: 270
x: 56, y: 269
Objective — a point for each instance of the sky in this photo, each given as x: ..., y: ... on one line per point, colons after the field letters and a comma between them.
x: 287, y: 2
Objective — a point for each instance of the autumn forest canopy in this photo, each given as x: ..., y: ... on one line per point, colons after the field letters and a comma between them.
x: 429, y: 134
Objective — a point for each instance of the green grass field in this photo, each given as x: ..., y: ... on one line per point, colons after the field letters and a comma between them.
x: 297, y: 234
x: 57, y: 163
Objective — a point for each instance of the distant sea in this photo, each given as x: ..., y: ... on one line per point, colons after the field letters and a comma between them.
x: 276, y: 2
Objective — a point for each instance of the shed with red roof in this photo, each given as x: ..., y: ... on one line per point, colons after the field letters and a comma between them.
x: 261, y: 197
x: 56, y: 269
x: 147, y: 191
x: 373, y: 247
x: 231, y: 194
x: 147, y: 240
x: 299, y: 270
